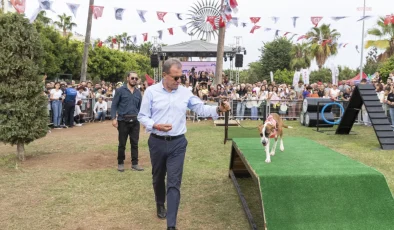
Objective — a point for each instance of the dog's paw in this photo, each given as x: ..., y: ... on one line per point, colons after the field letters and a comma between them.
x: 289, y: 127
x: 272, y: 153
x: 267, y: 160
x: 282, y: 148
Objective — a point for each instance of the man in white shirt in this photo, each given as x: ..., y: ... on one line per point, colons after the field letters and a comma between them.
x: 100, y: 109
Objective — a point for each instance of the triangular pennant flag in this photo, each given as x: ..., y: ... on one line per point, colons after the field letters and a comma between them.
x: 227, y: 9
x: 345, y: 45
x: 211, y: 20
x: 134, y: 38
x: 160, y: 15
x: 160, y: 32
x: 338, y: 18
x: 100, y: 44
x: 301, y: 37
x: 234, y: 21
x: 184, y: 29
x: 254, y: 20
x: 339, y: 45
x: 277, y: 33
x: 145, y: 35
x: 228, y: 17
x: 267, y: 29
x: 46, y: 5
x: 114, y: 40
x: 97, y: 11
x: 221, y: 22
x: 275, y: 19
x: 73, y: 8
x: 316, y: 20
x: 142, y: 13
x: 171, y: 31
x: 364, y: 17
x: 244, y: 24
x: 255, y: 27
x: 179, y: 16
x: 124, y: 40
x: 284, y: 35
x: 310, y: 39
x: 119, y: 13
x: 357, y: 49
x: 19, y: 5
x: 295, y: 21
x: 234, y: 5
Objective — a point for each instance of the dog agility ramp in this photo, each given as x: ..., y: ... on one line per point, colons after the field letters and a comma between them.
x: 309, y: 186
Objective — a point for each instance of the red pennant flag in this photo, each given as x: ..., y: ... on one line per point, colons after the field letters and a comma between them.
x: 19, y: 5
x: 316, y: 20
x: 114, y: 40
x: 345, y: 45
x: 171, y: 31
x: 284, y: 35
x: 221, y: 22
x: 97, y: 11
x: 149, y: 79
x: 301, y: 37
x: 100, y: 44
x: 161, y: 15
x: 211, y: 20
x: 228, y: 17
x: 145, y: 35
x: 255, y: 28
x: 389, y: 19
x: 255, y: 19
x: 233, y: 4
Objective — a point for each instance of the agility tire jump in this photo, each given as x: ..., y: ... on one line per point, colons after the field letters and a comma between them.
x: 307, y: 189
x: 323, y: 114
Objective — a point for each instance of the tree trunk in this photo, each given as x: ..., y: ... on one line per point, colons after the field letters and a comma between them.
x: 220, y: 52
x: 84, y: 67
x: 20, y: 148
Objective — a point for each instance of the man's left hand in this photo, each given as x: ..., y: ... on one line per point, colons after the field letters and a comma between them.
x: 224, y: 106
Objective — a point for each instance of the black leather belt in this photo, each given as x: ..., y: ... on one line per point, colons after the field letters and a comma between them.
x: 167, y: 138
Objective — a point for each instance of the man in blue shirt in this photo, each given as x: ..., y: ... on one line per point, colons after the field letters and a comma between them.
x: 124, y: 110
x: 163, y: 113
x: 69, y: 105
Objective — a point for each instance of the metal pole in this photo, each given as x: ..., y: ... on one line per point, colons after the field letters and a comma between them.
x: 362, y: 45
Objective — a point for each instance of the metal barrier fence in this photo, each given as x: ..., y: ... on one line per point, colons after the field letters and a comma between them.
x: 240, y: 110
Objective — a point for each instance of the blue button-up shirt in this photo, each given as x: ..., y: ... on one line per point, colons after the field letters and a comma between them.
x: 162, y: 107
x: 125, y: 102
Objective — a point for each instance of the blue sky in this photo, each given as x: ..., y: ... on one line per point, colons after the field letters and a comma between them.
x: 350, y: 29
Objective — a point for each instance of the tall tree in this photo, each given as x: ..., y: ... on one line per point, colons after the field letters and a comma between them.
x: 300, y: 56
x: 42, y: 18
x: 275, y: 56
x: 84, y: 67
x: 23, y: 107
x: 323, y: 43
x: 385, y: 35
x: 220, y: 51
x: 65, y: 24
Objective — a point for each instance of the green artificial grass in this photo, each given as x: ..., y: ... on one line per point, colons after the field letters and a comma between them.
x: 309, y: 186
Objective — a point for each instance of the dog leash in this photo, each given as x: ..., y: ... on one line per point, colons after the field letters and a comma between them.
x: 231, y: 113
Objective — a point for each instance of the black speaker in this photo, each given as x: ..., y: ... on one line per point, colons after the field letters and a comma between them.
x: 239, y: 59
x: 154, y: 61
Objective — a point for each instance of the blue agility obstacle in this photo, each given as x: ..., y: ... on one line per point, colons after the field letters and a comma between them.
x: 330, y: 104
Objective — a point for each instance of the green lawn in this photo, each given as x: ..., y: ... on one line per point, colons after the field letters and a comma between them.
x: 71, y: 182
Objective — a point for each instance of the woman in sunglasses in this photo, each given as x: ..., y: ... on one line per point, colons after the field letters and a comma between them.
x: 163, y: 113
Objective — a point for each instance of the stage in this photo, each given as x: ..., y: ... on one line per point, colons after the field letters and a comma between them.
x: 309, y: 186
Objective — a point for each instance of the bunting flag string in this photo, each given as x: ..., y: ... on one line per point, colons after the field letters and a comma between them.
x: 119, y: 13
x: 160, y: 15
x: 73, y: 8
x: 316, y: 20
x: 254, y: 20
x: 97, y: 11
x: 171, y: 31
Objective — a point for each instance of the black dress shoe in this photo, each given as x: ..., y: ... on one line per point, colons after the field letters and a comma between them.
x: 161, y: 211
x: 171, y: 228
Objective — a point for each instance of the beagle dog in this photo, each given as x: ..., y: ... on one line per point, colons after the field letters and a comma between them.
x: 272, y: 128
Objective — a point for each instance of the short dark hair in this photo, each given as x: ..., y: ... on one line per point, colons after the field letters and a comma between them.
x: 131, y: 72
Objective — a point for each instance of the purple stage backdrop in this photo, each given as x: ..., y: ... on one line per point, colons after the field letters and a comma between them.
x: 208, y: 66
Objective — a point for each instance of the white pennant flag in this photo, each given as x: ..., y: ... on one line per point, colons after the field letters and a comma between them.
x: 119, y: 13
x: 142, y: 13
x: 184, y: 29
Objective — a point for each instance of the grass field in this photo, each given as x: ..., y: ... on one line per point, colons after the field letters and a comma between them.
x: 69, y: 180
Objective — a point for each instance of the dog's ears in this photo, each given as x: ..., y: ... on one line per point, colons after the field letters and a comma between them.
x: 260, y: 128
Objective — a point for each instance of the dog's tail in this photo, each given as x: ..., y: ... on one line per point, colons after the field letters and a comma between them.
x: 287, y: 126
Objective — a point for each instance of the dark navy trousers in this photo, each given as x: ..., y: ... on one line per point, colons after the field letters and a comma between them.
x: 167, y: 157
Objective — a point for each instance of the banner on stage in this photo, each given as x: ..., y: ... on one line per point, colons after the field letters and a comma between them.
x: 207, y: 66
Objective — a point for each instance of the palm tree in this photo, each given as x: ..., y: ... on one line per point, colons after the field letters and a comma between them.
x: 145, y: 48
x: 109, y: 40
x: 385, y: 34
x: 301, y: 56
x: 65, y: 23
x: 323, y: 44
x: 41, y: 17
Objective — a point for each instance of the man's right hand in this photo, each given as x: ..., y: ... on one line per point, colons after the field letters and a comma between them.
x: 163, y: 127
x: 115, y: 123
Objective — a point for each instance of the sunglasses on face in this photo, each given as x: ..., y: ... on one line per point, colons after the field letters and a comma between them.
x: 175, y: 78
x: 134, y: 78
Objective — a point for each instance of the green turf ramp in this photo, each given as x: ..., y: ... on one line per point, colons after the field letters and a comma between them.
x: 309, y: 186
